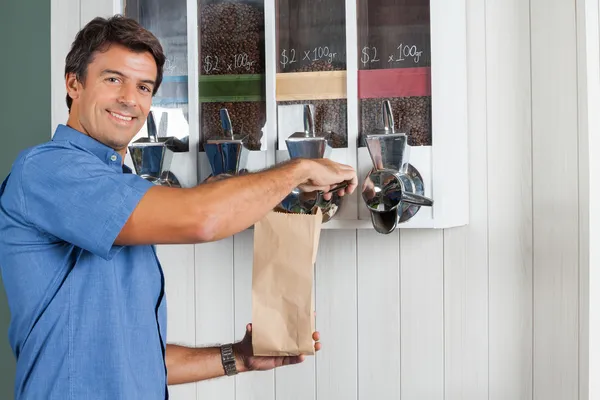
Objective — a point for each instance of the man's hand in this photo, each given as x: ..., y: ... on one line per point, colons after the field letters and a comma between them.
x: 325, y: 174
x: 247, y: 361
x: 187, y: 364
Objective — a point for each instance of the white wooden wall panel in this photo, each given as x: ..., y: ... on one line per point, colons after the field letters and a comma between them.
x: 336, y: 305
x: 466, y: 248
x: 252, y: 385
x: 422, y: 314
x: 214, y: 308
x: 466, y: 314
x: 62, y: 34
x: 379, y: 332
x: 588, y: 57
x: 555, y: 199
x: 509, y: 199
x: 178, y: 268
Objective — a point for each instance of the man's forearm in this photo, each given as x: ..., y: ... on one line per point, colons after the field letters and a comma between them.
x: 232, y: 205
x: 186, y: 364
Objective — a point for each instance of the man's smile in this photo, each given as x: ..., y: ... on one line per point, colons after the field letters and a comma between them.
x: 122, y: 119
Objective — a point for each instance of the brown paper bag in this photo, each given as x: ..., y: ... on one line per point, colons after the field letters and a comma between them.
x: 285, y: 249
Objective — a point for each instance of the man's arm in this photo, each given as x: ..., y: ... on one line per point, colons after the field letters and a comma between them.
x: 213, y: 211
x: 186, y: 364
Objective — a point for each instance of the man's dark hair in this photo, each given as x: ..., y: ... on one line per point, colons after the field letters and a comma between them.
x: 100, y: 33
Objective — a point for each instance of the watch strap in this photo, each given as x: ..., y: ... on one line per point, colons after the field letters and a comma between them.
x: 228, y: 359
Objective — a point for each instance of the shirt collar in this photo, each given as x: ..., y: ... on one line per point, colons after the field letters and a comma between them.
x: 100, y: 150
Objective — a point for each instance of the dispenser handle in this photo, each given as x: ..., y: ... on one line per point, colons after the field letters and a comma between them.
x: 226, y: 122
x: 388, y: 117
x: 309, y: 121
x: 416, y: 199
x: 152, y: 136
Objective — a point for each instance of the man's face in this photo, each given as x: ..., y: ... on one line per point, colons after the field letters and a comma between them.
x: 112, y: 103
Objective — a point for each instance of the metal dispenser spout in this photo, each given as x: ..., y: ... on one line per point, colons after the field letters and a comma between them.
x: 393, y: 190
x: 227, y: 155
x: 152, y: 156
x: 307, y: 144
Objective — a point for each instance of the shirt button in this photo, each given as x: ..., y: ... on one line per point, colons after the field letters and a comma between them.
x: 113, y: 158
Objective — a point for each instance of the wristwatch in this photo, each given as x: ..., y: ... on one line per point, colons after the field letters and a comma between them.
x: 228, y: 359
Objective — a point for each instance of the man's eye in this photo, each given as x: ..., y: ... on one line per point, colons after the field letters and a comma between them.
x: 113, y: 80
x: 145, y: 88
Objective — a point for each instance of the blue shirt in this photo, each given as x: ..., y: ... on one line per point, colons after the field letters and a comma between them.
x: 88, y: 318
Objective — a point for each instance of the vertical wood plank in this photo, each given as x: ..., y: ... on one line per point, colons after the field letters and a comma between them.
x: 449, y: 122
x: 63, y: 28
x: 588, y: 57
x: 466, y: 248
x: 555, y: 200
x: 215, y: 308
x: 337, y: 370
x: 250, y: 385
x: 422, y: 314
x: 509, y: 199
x: 178, y: 267
x: 379, y: 334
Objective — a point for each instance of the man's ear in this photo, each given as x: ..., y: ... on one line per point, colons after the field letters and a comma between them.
x: 73, y: 85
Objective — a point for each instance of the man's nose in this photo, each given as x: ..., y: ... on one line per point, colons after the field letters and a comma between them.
x: 128, y: 95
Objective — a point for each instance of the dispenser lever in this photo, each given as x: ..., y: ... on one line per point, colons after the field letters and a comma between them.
x: 151, y: 124
x: 388, y: 117
x: 338, y: 187
x: 416, y: 199
x: 226, y: 123
x: 309, y: 121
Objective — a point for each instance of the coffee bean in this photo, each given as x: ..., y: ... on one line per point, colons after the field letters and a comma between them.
x: 320, y: 65
x: 228, y: 30
x: 330, y: 120
x: 412, y: 115
x: 247, y: 118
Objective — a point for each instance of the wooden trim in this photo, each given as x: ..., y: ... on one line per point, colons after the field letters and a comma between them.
x: 311, y: 85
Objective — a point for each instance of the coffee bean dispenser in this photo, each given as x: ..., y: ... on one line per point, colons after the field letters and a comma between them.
x: 412, y: 66
x: 394, y: 75
x: 380, y: 85
x: 160, y: 152
x: 232, y: 67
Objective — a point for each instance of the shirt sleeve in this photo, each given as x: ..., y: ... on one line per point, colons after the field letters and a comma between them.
x: 79, y: 199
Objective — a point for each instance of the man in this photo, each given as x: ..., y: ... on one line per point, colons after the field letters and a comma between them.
x: 84, y: 285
